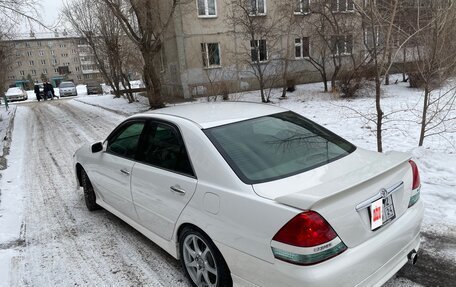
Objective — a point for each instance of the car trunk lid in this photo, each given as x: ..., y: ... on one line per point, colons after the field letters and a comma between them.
x: 341, y: 191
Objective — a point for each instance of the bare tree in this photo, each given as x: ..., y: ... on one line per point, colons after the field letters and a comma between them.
x: 106, y: 39
x: 16, y: 11
x: 6, y: 57
x: 261, y: 38
x: 379, y: 23
x: 434, y: 58
x: 332, y: 25
x: 146, y: 23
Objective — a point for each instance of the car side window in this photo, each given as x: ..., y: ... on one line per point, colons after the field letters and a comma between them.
x: 164, y: 148
x: 125, y: 142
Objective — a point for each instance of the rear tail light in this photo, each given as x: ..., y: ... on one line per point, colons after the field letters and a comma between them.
x: 306, y: 239
x: 416, y: 184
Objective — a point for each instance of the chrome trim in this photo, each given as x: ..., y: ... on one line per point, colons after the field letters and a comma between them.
x: 384, y: 193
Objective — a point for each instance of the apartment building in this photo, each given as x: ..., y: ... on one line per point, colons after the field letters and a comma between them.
x: 54, y: 57
x: 207, y: 47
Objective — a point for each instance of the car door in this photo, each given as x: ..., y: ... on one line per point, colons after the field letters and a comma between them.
x: 163, y: 181
x: 112, y: 176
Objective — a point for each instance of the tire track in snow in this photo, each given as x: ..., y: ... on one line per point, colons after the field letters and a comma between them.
x: 66, y: 244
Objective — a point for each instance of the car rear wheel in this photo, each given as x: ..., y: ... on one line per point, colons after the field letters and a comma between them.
x: 202, y: 262
x: 89, y: 193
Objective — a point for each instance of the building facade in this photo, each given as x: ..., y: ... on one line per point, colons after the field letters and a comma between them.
x: 211, y: 46
x: 53, y: 57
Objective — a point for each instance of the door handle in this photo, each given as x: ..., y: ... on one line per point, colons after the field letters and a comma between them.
x: 126, y: 172
x: 178, y: 189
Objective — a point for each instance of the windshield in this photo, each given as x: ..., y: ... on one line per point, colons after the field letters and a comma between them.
x: 276, y: 146
x: 66, y: 85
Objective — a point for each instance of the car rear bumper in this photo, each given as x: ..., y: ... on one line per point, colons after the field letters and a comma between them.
x: 371, y: 263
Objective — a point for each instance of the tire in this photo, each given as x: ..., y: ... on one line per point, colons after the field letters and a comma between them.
x: 202, y: 261
x: 89, y: 193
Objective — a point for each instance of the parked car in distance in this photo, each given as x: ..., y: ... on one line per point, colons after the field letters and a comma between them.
x: 67, y: 89
x: 16, y: 94
x: 249, y: 194
x: 94, y: 88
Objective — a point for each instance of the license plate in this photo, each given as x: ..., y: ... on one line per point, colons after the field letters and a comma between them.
x: 382, y: 212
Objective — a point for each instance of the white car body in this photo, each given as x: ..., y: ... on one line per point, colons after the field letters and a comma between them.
x: 242, y: 219
x: 16, y: 94
x: 67, y: 89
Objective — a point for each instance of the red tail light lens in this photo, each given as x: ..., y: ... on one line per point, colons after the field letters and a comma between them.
x: 306, y: 230
x: 416, y: 175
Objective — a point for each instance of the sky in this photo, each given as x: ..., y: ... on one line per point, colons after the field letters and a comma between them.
x: 49, y: 14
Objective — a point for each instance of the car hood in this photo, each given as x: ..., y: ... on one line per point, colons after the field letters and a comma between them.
x: 336, y: 189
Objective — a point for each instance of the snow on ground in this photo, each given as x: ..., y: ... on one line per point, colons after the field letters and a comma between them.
x: 5, y: 118
x: 436, y: 159
x: 11, y: 200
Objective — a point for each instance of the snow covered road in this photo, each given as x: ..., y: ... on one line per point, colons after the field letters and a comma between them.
x: 63, y: 244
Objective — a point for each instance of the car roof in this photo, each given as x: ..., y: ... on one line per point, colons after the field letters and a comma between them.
x: 208, y: 115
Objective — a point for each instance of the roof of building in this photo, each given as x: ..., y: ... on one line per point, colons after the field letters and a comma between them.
x: 44, y: 36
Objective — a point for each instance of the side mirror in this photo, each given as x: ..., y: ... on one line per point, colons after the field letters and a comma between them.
x: 97, y: 147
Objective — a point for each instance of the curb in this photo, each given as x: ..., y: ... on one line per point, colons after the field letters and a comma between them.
x: 7, y: 140
x: 108, y: 109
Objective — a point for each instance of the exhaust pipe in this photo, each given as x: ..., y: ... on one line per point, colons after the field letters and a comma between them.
x: 412, y: 257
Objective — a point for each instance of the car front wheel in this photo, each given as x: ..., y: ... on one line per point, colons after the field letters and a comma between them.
x: 89, y: 193
x: 201, y: 260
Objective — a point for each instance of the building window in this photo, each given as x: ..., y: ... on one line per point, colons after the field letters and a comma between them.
x: 27, y: 44
x: 43, y: 62
x: 52, y: 52
x: 77, y: 69
x: 62, y: 45
x: 29, y: 53
x: 65, y: 55
x: 342, y: 45
x: 79, y: 77
x: 22, y: 73
x: 54, y: 61
x: 257, y: 7
x: 342, y: 6
x: 302, y: 7
x: 66, y: 64
x: 45, y: 71
x: 211, y: 54
x: 39, y: 44
x: 18, y: 54
x: 259, y: 51
x: 41, y: 53
x: 34, y: 72
x: 32, y: 63
x: 207, y: 8
x: 19, y: 64
x: 74, y: 51
x: 302, y: 47
x: 56, y: 70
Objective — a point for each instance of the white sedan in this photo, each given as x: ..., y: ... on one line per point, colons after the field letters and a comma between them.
x: 255, y: 195
x: 16, y: 94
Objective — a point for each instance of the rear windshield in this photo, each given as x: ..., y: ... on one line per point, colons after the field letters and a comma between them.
x: 276, y: 146
x: 66, y: 85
